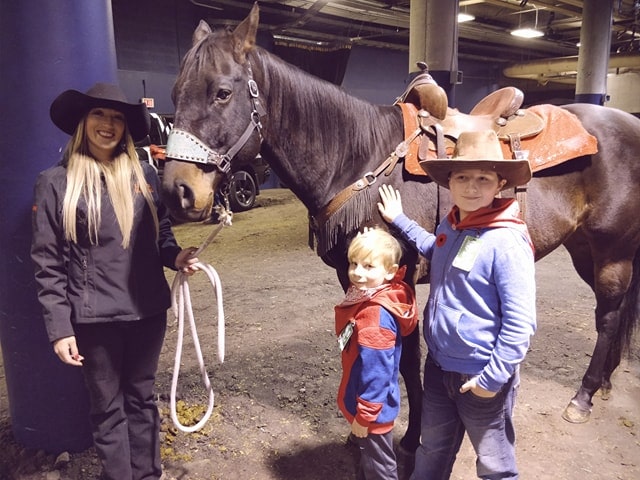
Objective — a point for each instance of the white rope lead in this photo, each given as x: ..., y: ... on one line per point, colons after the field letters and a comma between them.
x: 181, y: 302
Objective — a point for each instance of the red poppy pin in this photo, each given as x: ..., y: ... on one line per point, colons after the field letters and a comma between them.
x: 441, y: 239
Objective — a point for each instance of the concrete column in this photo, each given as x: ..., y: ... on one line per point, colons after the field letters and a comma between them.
x: 46, y: 47
x: 593, y: 56
x: 433, y: 38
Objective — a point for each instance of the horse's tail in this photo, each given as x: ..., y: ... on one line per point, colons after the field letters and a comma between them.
x: 629, y: 310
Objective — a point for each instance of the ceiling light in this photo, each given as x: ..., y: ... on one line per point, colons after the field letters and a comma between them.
x: 465, y: 17
x: 527, y: 33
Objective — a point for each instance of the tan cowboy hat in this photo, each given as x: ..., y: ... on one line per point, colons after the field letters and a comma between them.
x: 71, y: 106
x: 478, y: 150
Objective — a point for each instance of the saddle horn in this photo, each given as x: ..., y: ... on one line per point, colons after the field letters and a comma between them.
x: 425, y: 93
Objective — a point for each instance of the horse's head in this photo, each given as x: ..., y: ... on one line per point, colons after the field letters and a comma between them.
x: 217, y: 118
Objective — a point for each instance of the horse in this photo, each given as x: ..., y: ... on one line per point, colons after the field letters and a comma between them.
x: 234, y: 97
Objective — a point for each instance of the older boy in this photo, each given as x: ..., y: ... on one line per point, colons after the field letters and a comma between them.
x: 481, y: 309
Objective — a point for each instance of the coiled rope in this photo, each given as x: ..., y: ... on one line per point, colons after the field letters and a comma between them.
x: 181, y: 302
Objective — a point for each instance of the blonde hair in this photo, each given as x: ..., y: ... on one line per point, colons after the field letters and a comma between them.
x: 378, y: 243
x: 123, y: 178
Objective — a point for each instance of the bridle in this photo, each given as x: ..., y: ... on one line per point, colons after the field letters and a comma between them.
x: 184, y: 146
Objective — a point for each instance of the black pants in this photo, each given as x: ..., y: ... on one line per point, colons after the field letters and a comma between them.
x: 120, y: 364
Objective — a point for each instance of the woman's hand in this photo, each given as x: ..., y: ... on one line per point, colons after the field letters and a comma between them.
x: 67, y: 351
x: 476, y: 390
x: 186, y: 262
x: 391, y: 205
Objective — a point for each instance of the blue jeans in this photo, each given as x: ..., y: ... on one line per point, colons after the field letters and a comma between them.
x: 447, y: 414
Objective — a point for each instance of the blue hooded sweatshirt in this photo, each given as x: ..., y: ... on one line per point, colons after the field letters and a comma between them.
x: 481, y: 311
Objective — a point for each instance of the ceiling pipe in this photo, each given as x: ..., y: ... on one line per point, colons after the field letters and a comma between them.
x: 561, y: 68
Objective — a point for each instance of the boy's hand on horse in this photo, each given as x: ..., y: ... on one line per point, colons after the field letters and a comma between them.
x: 391, y: 205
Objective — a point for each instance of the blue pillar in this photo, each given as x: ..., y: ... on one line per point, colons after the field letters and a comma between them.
x: 46, y: 47
x: 593, y: 56
x: 433, y: 38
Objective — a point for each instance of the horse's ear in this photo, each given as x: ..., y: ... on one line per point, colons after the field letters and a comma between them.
x: 202, y: 31
x: 245, y: 33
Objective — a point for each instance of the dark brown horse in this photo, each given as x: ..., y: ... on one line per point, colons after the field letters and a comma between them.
x: 234, y: 99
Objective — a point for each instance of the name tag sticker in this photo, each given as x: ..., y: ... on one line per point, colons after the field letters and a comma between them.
x: 345, y: 335
x: 468, y: 253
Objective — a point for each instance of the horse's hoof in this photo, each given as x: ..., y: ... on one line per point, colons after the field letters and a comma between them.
x: 605, y: 393
x: 576, y: 414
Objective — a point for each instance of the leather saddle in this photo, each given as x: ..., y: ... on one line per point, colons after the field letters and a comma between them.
x: 500, y: 111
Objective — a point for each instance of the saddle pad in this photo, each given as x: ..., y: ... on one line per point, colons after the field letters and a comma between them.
x: 562, y: 138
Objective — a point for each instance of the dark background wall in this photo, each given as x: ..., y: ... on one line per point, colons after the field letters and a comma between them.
x: 153, y: 35
x: 151, y: 38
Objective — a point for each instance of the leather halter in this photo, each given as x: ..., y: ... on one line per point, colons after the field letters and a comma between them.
x: 184, y: 146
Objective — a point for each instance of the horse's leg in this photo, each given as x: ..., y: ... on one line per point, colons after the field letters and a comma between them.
x: 628, y: 318
x: 607, y: 326
x: 613, y: 360
x: 610, y: 280
x: 410, y: 363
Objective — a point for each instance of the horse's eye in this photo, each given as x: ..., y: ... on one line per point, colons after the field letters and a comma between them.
x: 223, y: 94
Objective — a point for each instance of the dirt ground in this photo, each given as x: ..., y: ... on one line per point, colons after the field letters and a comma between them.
x: 275, y: 415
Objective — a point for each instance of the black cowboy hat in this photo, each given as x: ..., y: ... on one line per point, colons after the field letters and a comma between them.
x: 71, y: 106
x: 479, y: 150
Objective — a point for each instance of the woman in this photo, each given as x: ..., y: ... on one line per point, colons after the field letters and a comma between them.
x: 101, y: 237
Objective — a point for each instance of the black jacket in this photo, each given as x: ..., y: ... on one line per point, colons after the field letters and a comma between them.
x: 84, y: 283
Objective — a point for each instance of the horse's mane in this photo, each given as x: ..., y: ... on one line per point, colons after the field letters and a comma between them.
x: 192, y: 59
x: 342, y: 136
x: 347, y: 128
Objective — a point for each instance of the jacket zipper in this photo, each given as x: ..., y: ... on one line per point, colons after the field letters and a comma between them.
x: 446, y: 268
x: 85, y: 277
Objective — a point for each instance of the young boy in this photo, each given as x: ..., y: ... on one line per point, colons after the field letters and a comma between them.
x: 481, y: 309
x: 378, y: 309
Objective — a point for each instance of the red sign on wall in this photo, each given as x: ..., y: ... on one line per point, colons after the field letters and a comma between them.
x: 147, y: 101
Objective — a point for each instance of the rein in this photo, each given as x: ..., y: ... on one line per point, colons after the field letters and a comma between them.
x: 182, y: 145
x: 181, y: 301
